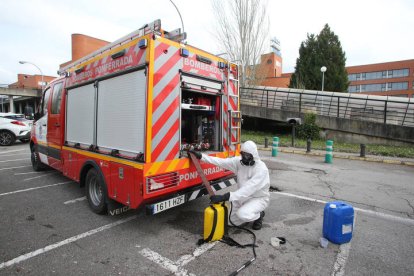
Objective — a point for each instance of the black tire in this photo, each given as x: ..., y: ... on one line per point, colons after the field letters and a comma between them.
x: 6, y: 138
x: 36, y: 163
x: 96, y: 192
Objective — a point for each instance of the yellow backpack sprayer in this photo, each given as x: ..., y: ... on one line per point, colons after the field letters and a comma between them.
x: 216, y: 220
x: 215, y: 215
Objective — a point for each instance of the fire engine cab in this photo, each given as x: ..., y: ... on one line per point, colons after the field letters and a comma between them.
x: 120, y: 121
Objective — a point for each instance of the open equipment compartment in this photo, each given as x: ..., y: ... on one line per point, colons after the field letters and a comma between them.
x: 200, y: 121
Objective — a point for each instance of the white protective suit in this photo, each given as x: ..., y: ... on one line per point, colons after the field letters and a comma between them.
x: 252, y: 195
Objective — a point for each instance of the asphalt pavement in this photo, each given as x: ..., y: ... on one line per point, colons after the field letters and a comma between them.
x: 48, y: 229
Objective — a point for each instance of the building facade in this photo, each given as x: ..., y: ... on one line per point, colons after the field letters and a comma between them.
x: 386, y: 79
x: 31, y: 81
x: 24, y: 104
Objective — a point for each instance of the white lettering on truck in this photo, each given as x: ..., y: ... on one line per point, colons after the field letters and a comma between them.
x: 193, y: 175
x: 200, y: 65
x: 113, y: 64
x: 83, y: 75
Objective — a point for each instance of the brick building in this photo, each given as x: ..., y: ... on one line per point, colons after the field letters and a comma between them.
x: 31, y: 81
x: 389, y: 78
x: 386, y: 79
x: 83, y: 45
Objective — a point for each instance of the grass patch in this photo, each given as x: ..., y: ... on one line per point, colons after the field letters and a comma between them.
x: 286, y: 141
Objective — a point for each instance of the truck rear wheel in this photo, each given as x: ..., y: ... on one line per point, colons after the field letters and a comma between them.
x: 96, y: 192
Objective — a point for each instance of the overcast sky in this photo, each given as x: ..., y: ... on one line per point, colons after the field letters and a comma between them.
x: 39, y: 31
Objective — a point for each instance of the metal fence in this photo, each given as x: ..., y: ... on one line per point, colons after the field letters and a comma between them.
x: 380, y: 109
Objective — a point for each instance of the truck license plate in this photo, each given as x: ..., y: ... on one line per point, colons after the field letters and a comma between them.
x: 167, y: 204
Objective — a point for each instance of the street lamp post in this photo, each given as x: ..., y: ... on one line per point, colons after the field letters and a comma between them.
x: 41, y: 73
x: 323, y: 70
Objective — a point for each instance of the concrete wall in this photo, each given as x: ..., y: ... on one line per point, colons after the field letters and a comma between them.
x: 356, y: 131
x: 343, y: 130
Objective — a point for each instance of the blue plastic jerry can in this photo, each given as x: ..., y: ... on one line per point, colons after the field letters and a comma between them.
x: 338, y: 222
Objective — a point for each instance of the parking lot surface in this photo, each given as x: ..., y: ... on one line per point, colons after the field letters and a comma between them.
x: 48, y: 228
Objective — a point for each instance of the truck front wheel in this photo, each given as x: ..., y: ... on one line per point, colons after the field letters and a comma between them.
x: 96, y: 192
x: 36, y: 164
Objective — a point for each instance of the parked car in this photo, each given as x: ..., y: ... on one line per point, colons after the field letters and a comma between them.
x: 14, y: 127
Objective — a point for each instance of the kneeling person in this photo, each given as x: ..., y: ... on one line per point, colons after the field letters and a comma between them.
x: 252, y: 196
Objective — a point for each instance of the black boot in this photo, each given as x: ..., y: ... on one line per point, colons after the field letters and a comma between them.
x: 257, y: 224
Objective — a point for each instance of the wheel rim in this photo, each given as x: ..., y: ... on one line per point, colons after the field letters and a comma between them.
x: 5, y: 138
x: 95, y: 191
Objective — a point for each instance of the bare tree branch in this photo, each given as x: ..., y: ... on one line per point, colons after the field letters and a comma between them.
x: 242, y: 28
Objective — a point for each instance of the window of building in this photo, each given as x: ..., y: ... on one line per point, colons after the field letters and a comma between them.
x: 398, y: 85
x: 373, y: 87
x: 363, y: 76
x: 354, y: 88
x: 374, y: 75
x: 399, y: 73
x: 352, y: 77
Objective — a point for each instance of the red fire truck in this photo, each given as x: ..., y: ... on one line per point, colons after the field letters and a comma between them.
x: 120, y: 121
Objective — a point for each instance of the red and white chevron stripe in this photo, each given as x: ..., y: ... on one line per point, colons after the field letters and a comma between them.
x: 166, y: 103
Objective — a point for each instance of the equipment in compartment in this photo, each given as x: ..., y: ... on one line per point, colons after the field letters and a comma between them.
x: 199, y: 121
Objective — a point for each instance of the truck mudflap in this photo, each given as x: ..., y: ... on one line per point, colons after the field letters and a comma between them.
x: 186, y: 196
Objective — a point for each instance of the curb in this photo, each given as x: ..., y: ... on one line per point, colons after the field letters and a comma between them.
x: 341, y: 156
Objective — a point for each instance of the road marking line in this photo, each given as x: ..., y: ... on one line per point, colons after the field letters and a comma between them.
x: 12, y: 151
x: 10, y: 168
x: 35, y: 188
x: 406, y: 221
x: 15, y: 154
x: 197, y: 252
x: 64, y: 242
x: 27, y: 179
x: 14, y: 160
x: 341, y: 258
x: 164, y: 262
x: 27, y: 173
x: 75, y: 200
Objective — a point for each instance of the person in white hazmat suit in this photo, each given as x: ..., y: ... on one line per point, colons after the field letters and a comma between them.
x: 252, y: 196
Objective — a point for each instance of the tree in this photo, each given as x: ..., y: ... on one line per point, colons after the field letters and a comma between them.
x: 322, y: 50
x: 309, y: 129
x: 242, y: 29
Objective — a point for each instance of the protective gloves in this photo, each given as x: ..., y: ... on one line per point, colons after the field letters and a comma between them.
x: 197, y: 154
x: 219, y: 198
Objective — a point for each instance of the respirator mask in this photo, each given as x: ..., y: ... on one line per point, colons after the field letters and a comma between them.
x: 246, y: 159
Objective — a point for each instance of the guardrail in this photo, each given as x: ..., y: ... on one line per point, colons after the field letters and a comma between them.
x: 380, y: 109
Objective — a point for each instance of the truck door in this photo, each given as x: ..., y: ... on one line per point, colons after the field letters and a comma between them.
x: 55, y: 126
x: 41, y: 127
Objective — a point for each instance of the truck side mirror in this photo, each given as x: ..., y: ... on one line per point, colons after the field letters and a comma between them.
x: 37, y: 116
x: 28, y: 112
